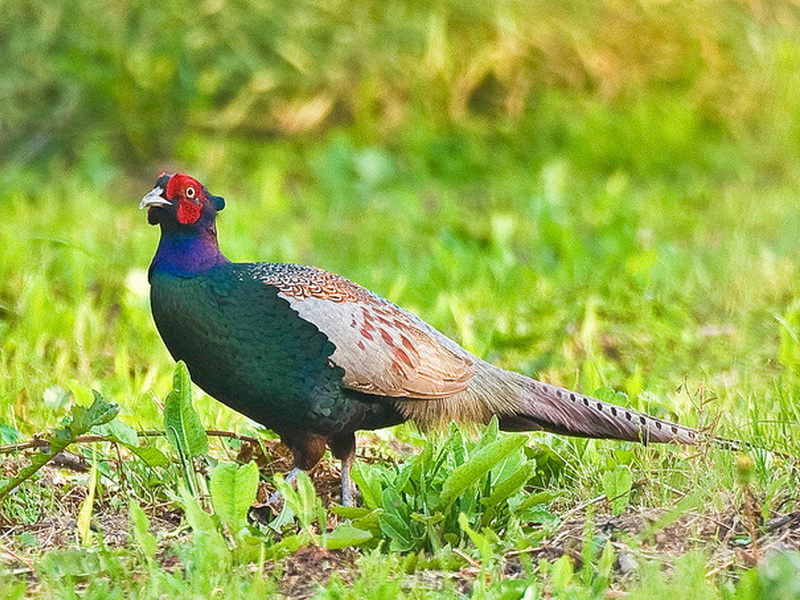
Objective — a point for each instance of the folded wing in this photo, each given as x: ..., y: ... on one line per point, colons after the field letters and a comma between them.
x: 383, y: 349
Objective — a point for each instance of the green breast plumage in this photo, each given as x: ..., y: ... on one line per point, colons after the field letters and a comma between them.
x: 245, y: 346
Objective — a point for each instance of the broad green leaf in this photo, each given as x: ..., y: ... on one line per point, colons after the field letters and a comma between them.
x: 141, y: 531
x: 288, y: 545
x: 9, y: 435
x: 210, y: 552
x: 284, y: 518
x: 478, y: 465
x: 308, y: 505
x: 360, y: 517
x: 369, y: 522
x: 605, y: 564
x: 428, y: 519
x: 150, y: 455
x: 423, y: 467
x: 505, y: 489
x: 393, y: 503
x: 509, y: 486
x: 83, y: 418
x: 233, y: 491
x: 510, y: 466
x: 14, y: 591
x: 303, y: 501
x: 126, y: 436
x: 401, y: 482
x: 69, y: 563
x: 351, y: 512
x: 117, y: 431
x: 539, y: 516
x: 481, y: 542
x: 181, y: 422
x: 77, y: 423
x: 535, y: 499
x: 368, y: 484
x: 452, y: 453
x: 346, y: 535
x: 617, y: 487
x: 249, y: 548
x: 397, y: 531
x: 490, y: 434
x: 562, y: 576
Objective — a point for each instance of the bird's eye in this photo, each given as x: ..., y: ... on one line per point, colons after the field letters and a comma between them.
x: 190, y: 193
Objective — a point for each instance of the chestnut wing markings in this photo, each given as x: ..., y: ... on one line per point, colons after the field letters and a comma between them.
x: 383, y: 349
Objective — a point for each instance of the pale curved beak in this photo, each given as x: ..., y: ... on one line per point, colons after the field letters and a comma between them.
x: 154, y: 198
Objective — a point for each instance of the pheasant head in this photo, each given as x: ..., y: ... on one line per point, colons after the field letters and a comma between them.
x: 181, y: 202
x: 186, y: 212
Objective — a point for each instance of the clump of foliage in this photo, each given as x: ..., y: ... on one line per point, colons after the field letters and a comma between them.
x: 453, y: 490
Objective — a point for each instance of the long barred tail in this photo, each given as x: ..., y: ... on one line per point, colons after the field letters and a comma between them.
x: 546, y: 407
x: 524, y: 404
x: 551, y: 408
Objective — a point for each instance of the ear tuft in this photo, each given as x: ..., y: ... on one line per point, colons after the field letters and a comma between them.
x: 219, y: 202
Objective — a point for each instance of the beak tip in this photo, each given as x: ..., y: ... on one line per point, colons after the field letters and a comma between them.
x: 154, y: 198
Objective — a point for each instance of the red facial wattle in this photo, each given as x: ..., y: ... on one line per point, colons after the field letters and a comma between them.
x: 188, y: 212
x: 185, y: 189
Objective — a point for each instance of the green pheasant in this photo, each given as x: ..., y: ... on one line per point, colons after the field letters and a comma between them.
x: 316, y: 357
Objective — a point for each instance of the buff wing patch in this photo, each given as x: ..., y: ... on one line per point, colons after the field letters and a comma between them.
x: 383, y: 349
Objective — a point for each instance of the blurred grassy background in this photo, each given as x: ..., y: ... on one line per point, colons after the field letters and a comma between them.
x: 133, y: 81
x: 602, y: 193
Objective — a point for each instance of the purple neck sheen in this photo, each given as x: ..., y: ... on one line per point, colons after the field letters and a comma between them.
x: 187, y: 253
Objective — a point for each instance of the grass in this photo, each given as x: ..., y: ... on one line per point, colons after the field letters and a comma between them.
x: 627, y: 228
x: 677, y: 293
